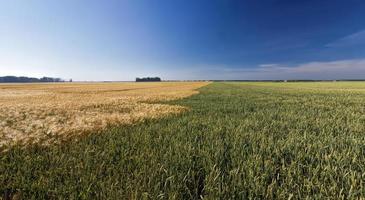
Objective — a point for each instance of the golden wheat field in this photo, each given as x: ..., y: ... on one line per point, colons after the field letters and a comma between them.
x: 46, y: 113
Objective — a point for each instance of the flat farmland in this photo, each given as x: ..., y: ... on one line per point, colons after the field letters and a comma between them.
x: 48, y: 113
x: 257, y: 140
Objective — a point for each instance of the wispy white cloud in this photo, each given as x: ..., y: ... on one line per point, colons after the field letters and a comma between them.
x: 268, y: 65
x: 340, y: 69
x: 354, y: 39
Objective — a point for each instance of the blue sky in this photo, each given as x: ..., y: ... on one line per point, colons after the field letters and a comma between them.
x: 186, y: 39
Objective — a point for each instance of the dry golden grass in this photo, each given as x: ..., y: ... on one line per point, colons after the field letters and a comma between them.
x: 46, y: 113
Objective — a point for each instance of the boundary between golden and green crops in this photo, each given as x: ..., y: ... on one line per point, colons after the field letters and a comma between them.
x: 237, y: 141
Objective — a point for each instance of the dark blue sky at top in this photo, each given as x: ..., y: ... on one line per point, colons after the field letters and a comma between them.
x: 253, y: 32
x: 190, y: 39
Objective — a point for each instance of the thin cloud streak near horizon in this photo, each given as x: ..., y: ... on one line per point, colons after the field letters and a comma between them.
x: 339, y: 69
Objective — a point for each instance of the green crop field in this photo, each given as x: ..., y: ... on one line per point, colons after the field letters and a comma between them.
x: 237, y: 141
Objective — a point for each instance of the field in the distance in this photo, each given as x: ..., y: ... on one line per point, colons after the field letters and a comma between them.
x: 48, y: 113
x: 237, y: 141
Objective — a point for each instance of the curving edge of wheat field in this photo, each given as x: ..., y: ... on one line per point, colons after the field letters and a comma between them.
x: 48, y: 113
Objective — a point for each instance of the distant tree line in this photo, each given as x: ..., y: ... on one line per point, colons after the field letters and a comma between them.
x: 24, y: 79
x: 148, y: 79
